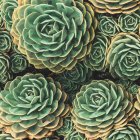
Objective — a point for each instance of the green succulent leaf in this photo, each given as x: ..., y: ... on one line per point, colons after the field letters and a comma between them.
x: 5, y: 73
x: 74, y: 135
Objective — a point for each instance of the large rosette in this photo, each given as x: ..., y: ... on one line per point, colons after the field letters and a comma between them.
x: 54, y: 35
x: 32, y: 106
x: 124, y: 56
x: 100, y: 107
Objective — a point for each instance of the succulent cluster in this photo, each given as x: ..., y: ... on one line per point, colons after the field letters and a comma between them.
x: 111, y: 25
x: 11, y: 60
x: 69, y: 69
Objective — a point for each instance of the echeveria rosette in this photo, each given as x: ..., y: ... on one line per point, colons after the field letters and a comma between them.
x: 5, y: 41
x: 100, y: 107
x: 124, y: 57
x: 18, y: 62
x: 74, y: 135
x: 7, y: 9
x: 108, y: 25
x: 129, y: 22
x: 73, y: 79
x: 66, y: 128
x: 115, y: 6
x: 128, y: 132
x: 55, y: 35
x: 96, y: 60
x: 5, y: 74
x: 32, y: 106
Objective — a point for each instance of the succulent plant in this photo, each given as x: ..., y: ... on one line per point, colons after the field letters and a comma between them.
x: 55, y: 35
x: 100, y: 107
x: 129, y: 22
x: 124, y: 57
x: 18, y: 62
x: 73, y: 79
x: 5, y: 41
x: 32, y: 106
x: 115, y: 6
x: 5, y: 74
x: 7, y: 9
x: 129, y: 132
x: 66, y: 128
x: 96, y: 60
x: 74, y: 135
x: 108, y: 25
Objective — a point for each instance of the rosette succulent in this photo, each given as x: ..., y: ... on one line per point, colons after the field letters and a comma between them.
x: 73, y: 79
x: 18, y: 62
x: 5, y: 41
x: 7, y: 9
x: 116, y: 6
x: 5, y: 74
x: 55, y: 35
x: 108, y: 25
x: 129, y: 22
x: 74, y: 135
x: 100, y: 107
x: 1, y: 21
x: 32, y: 106
x: 66, y: 128
x: 124, y: 56
x: 129, y: 132
x: 96, y: 60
